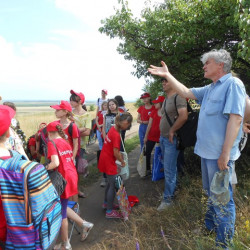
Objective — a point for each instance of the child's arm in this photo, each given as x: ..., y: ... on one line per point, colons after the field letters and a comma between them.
x: 148, y: 129
x: 86, y: 132
x: 139, y: 118
x: 75, y: 147
x: 118, y: 156
x: 104, y: 128
x: 54, y: 162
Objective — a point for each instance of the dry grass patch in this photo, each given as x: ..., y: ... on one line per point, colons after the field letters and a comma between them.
x: 178, y: 227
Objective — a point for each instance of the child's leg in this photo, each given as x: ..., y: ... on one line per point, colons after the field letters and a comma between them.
x: 110, y: 192
x: 64, y: 226
x: 85, y: 225
x: 149, y: 148
x: 106, y: 192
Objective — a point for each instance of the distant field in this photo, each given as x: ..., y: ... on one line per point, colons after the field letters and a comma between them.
x: 32, y: 115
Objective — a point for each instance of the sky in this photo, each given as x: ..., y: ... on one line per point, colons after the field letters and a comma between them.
x: 48, y: 47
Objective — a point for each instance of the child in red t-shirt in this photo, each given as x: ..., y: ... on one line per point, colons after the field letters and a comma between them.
x: 61, y: 157
x: 63, y: 112
x: 152, y: 135
x: 99, y: 123
x: 109, y: 154
x: 143, y: 116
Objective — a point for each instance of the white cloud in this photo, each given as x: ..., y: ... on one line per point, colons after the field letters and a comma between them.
x: 70, y: 59
x: 88, y: 67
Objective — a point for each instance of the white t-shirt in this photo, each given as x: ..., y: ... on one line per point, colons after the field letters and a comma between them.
x: 99, y: 102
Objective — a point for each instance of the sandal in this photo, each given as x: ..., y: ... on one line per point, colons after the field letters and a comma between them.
x: 87, y: 226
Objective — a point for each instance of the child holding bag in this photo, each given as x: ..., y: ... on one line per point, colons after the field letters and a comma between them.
x: 152, y: 135
x: 109, y: 154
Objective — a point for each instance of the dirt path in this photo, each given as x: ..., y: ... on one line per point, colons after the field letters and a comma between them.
x: 91, y: 207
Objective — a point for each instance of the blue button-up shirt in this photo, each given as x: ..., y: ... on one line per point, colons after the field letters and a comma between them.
x: 218, y: 100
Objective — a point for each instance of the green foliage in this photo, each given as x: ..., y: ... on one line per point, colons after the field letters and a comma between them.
x: 242, y: 16
x: 179, y: 32
x: 92, y: 107
x: 138, y: 103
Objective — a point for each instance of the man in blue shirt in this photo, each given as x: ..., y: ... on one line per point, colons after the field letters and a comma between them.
x: 218, y: 133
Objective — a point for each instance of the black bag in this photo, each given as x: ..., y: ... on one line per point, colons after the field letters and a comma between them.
x: 58, y: 181
x: 56, y: 178
x: 243, y: 141
x: 187, y: 133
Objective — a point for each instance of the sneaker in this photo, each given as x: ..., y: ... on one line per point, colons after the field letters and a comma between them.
x: 115, y: 206
x: 63, y: 245
x: 103, y: 182
x: 86, y: 227
x: 114, y: 214
x: 164, y: 205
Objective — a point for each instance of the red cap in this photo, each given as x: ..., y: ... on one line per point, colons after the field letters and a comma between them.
x: 145, y: 95
x: 159, y: 99
x: 6, y: 114
x: 105, y: 91
x: 52, y: 126
x: 80, y: 94
x: 63, y: 105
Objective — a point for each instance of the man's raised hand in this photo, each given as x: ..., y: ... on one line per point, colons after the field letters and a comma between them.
x: 159, y: 71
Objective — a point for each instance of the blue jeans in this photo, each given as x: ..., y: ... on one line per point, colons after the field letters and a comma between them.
x: 170, y: 154
x: 99, y: 138
x: 142, y: 132
x: 220, y: 218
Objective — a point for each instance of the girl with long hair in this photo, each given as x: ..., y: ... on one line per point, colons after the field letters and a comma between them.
x: 61, y: 159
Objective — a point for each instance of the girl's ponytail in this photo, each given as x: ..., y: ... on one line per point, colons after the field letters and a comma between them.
x: 61, y: 132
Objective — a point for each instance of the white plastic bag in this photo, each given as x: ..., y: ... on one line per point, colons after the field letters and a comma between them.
x: 141, y: 165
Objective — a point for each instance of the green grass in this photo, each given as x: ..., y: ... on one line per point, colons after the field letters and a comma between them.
x: 132, y: 143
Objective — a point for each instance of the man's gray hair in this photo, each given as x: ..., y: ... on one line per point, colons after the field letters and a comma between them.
x: 220, y: 56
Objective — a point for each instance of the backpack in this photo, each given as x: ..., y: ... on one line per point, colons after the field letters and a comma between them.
x: 243, y: 141
x: 31, y: 205
x: 70, y: 129
x: 187, y: 133
x: 27, y: 149
x: 43, y: 142
x: 92, y: 135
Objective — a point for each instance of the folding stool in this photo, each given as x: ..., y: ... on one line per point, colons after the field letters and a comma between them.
x: 75, y: 207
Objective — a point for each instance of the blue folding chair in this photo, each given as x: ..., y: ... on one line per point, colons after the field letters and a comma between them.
x: 75, y: 207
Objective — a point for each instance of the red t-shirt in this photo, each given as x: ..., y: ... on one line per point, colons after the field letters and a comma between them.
x: 32, y: 142
x: 75, y: 134
x: 145, y: 112
x: 100, y: 117
x: 154, y: 132
x: 66, y: 166
x: 3, y: 225
x: 107, y: 159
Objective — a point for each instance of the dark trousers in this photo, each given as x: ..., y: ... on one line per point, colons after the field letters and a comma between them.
x: 149, y: 148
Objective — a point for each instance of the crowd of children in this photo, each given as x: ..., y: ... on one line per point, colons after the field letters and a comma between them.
x: 60, y: 144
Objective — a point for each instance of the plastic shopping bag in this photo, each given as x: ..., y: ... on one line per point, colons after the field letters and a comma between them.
x: 141, y: 165
x: 123, y: 202
x: 124, y: 171
x: 157, y: 169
